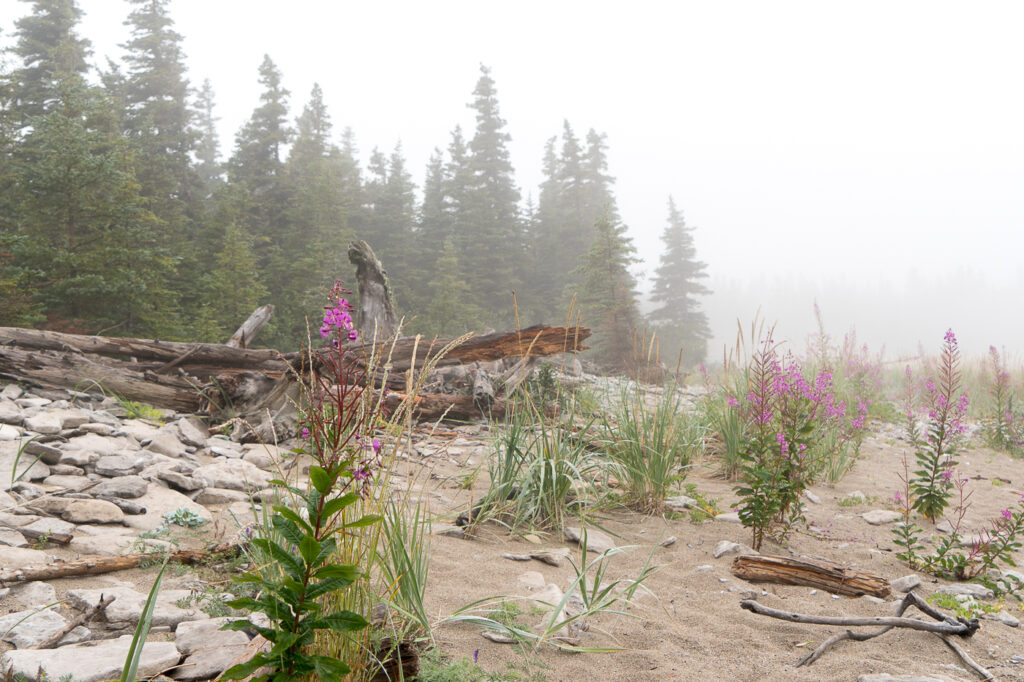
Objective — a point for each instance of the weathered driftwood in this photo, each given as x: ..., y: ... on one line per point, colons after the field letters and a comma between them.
x: 823, y: 575
x: 944, y: 627
x: 434, y: 406
x: 251, y: 327
x: 376, y: 317
x: 82, y: 618
x: 108, y: 564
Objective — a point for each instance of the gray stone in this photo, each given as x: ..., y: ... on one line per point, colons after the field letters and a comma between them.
x: 234, y: 474
x: 19, y: 557
x: 35, y: 595
x: 98, y: 429
x: 44, y: 422
x: 728, y: 517
x: 11, y: 392
x: 179, y: 481
x: 856, y: 497
x: 192, y: 431
x: 258, y: 458
x: 969, y: 589
x: 166, y: 443
x: 28, y: 468
x: 72, y: 418
x: 140, y: 430
x: 10, y: 413
x: 906, y: 583
x: 8, y: 432
x: 128, y: 487
x: 726, y: 547
x: 29, y: 402
x: 221, y: 496
x: 209, y: 649
x: 811, y: 497
x: 944, y: 526
x: 159, y: 501
x: 680, y: 502
x: 92, y: 661
x: 12, y: 538
x: 118, y: 465
x: 127, y: 607
x: 66, y: 470
x: 99, y: 445
x: 1002, y: 617
x: 25, y: 629
x: 878, y: 517
x: 75, y: 483
x: 597, y: 542
x: 48, y: 526
x: 92, y: 511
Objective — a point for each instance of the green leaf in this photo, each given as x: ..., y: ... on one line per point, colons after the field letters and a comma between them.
x: 366, y: 520
x: 328, y: 668
x: 293, y: 516
x: 341, y: 621
x: 321, y: 479
x: 131, y: 663
x: 325, y: 586
x: 244, y: 603
x: 332, y: 507
x: 288, y: 529
x: 350, y: 573
x: 288, y: 561
x: 243, y: 670
x: 309, y: 548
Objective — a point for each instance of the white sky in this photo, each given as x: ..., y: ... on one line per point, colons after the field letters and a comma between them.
x: 859, y: 150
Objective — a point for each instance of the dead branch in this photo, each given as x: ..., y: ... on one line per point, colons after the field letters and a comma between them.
x: 251, y: 327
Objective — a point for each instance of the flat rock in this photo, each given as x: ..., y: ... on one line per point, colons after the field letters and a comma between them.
x: 728, y: 517
x: 128, y: 487
x: 11, y: 557
x: 47, y: 453
x: 233, y: 474
x: 906, y: 583
x: 209, y: 649
x: 118, y: 465
x: 811, y: 497
x: 166, y: 443
x: 72, y: 418
x: 12, y: 538
x: 127, y: 607
x: 28, y: 468
x: 192, y: 431
x: 8, y: 432
x: 75, y: 483
x: 44, y: 423
x: 1002, y: 617
x: 81, y: 511
x: 35, y: 595
x: 139, y: 429
x: 10, y: 413
x: 12, y: 391
x: 99, y: 445
x: 725, y: 547
x: 25, y: 629
x: 91, y: 661
x: 969, y: 589
x: 597, y: 542
x: 878, y: 517
x: 179, y: 481
x: 159, y: 501
x: 221, y: 496
x: 98, y: 429
x: 48, y: 525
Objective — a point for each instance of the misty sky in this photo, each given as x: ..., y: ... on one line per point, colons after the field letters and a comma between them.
x: 869, y: 155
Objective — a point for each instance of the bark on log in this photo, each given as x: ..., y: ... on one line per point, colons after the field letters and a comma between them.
x: 434, y: 406
x: 376, y: 319
x: 823, y: 575
x: 99, y: 565
x: 251, y: 327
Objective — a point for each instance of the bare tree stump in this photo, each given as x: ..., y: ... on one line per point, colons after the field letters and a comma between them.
x: 376, y: 319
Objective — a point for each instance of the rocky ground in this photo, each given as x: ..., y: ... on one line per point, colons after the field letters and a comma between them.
x: 97, y: 483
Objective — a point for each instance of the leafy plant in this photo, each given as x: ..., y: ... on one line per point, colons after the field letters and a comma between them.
x: 962, y: 609
x: 932, y: 483
x: 136, y: 410
x: 184, y: 517
x: 705, y: 509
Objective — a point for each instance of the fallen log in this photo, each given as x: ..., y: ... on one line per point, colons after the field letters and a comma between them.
x: 434, y: 406
x: 823, y: 575
x: 104, y: 564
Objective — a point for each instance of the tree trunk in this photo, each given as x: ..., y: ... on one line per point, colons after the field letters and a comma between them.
x: 376, y: 320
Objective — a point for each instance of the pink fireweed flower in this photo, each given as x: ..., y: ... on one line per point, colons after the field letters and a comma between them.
x: 947, y: 475
x: 305, y: 433
x: 1006, y: 514
x: 783, y: 444
x: 898, y: 498
x: 950, y: 337
x: 732, y: 402
x: 376, y: 446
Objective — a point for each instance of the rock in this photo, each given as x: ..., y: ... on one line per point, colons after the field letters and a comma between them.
x: 597, y: 542
x: 209, y: 650
x: 450, y: 531
x: 680, y: 502
x: 92, y: 511
x: 127, y: 506
x: 192, y: 431
x: 811, y: 497
x: 48, y: 526
x: 220, y: 496
x: 856, y: 497
x: 35, y: 595
x: 72, y: 418
x: 44, y: 422
x: 260, y: 459
x: 166, y: 443
x: 12, y: 538
x: 99, y: 445
x: 551, y: 557
x: 497, y: 637
x: 10, y: 413
x: 729, y: 517
x: 726, y: 547
x: 75, y: 483
x: 66, y: 470
x: 118, y: 465
x: 159, y: 501
x: 127, y: 607
x: 90, y: 662
x: 179, y: 481
x: 128, y: 487
x: 234, y: 474
x: 516, y: 557
x: 29, y: 402
x: 532, y: 580
x: 906, y: 583
x: 25, y: 629
x: 11, y: 392
x: 47, y: 453
x: 11, y: 557
x: 944, y: 526
x: 1002, y: 617
x: 28, y: 469
x: 669, y: 541
x: 8, y: 432
x: 140, y: 430
x: 969, y: 589
x: 98, y: 429
x: 878, y: 517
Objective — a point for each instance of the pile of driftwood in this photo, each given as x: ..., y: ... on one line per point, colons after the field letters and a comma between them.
x: 261, y: 385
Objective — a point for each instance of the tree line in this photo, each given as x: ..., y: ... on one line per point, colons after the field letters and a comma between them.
x: 118, y: 214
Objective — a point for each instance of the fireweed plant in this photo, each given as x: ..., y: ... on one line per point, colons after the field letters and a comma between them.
x: 1003, y: 427
x: 932, y: 483
x: 336, y: 433
x: 793, y: 427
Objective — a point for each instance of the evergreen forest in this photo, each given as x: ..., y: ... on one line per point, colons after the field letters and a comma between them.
x: 123, y: 214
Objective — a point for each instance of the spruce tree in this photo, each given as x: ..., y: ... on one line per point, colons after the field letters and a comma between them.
x: 208, y: 168
x: 607, y: 294
x: 450, y: 311
x: 678, y: 319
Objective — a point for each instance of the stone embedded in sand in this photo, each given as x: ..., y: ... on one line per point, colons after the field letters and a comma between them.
x: 878, y: 517
x: 726, y: 547
x: 159, y: 501
x: 532, y: 580
x: 12, y: 538
x: 35, y: 595
x: 812, y: 498
x: 118, y: 465
x: 26, y: 629
x: 193, y: 431
x: 597, y: 542
x: 856, y: 497
x: 127, y: 607
x: 8, y: 432
x: 233, y: 474
x: 92, y: 511
x: 166, y: 443
x: 91, y: 662
x: 1002, y: 617
x: 128, y: 487
x: 969, y: 589
x: 729, y: 517
x: 680, y: 502
x: 44, y: 422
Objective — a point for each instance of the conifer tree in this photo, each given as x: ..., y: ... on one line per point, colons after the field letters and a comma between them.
x: 607, y: 294
x: 208, y: 167
x: 678, y: 319
x: 450, y: 311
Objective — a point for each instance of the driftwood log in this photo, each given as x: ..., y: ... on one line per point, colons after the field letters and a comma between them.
x: 109, y: 564
x: 251, y: 327
x: 823, y: 575
x: 376, y: 317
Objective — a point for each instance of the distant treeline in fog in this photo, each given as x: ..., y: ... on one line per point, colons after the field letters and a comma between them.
x: 118, y: 214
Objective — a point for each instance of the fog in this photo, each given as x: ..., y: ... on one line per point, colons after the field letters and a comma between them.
x: 868, y: 156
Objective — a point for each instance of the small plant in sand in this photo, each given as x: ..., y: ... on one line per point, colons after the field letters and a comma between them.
x: 1003, y: 425
x: 932, y: 483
